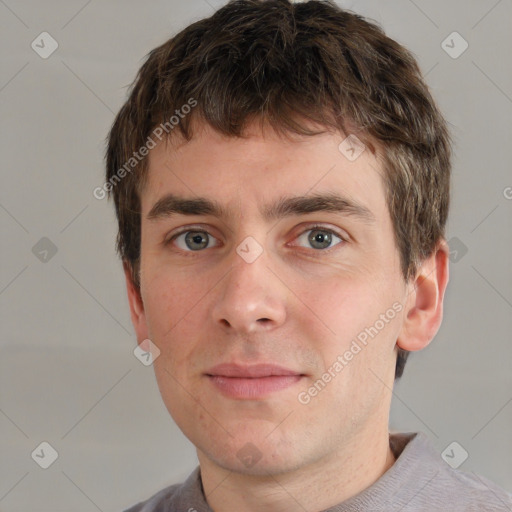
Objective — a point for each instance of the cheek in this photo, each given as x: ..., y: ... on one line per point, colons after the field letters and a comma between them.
x: 335, y: 304
x: 173, y: 309
x: 337, y: 312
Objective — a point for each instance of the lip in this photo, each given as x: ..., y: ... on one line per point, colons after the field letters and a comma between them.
x: 250, y: 382
x: 250, y: 371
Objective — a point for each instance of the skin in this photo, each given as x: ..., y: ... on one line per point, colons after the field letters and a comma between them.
x: 296, y: 305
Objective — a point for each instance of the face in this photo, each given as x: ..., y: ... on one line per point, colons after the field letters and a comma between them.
x: 276, y: 315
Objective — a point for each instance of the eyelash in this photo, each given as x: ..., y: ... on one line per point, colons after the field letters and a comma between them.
x: 310, y: 228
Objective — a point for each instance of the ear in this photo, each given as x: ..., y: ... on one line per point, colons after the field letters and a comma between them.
x: 424, y: 303
x: 137, y: 312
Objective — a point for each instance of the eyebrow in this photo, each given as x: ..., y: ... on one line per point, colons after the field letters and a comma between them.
x: 171, y: 204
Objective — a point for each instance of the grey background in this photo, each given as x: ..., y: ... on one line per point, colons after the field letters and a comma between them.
x: 68, y: 375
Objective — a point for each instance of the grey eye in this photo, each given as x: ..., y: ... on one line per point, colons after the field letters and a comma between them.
x: 319, y: 238
x: 194, y: 240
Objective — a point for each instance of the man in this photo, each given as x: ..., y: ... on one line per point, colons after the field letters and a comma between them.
x: 281, y: 179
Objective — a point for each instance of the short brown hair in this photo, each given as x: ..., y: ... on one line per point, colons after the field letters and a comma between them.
x: 285, y: 62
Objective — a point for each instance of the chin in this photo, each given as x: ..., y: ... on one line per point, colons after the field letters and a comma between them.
x: 268, y: 464
x: 254, y: 454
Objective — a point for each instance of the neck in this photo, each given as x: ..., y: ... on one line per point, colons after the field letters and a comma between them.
x: 319, y: 486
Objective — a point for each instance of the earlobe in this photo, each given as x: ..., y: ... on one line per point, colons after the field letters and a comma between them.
x: 137, y: 312
x: 424, y: 305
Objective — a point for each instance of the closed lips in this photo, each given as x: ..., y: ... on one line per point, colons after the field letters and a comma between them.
x: 250, y: 372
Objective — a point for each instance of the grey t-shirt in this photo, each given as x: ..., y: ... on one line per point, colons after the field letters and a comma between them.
x: 419, y: 480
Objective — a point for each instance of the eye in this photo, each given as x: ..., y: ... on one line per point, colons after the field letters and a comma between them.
x: 320, y: 238
x: 193, y: 240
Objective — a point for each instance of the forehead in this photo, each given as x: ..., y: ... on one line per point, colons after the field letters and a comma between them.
x: 239, y: 172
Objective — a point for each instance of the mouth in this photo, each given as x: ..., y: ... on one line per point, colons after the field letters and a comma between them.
x: 251, y: 382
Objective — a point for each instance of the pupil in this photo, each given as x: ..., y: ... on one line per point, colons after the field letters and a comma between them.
x: 320, y: 238
x: 196, y: 240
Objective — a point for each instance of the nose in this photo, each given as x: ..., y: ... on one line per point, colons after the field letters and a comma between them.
x: 251, y: 298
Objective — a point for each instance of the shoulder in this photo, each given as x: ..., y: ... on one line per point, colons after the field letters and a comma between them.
x: 468, y: 492
x: 185, y: 497
x: 443, y: 485
x: 157, y: 502
x: 472, y: 491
